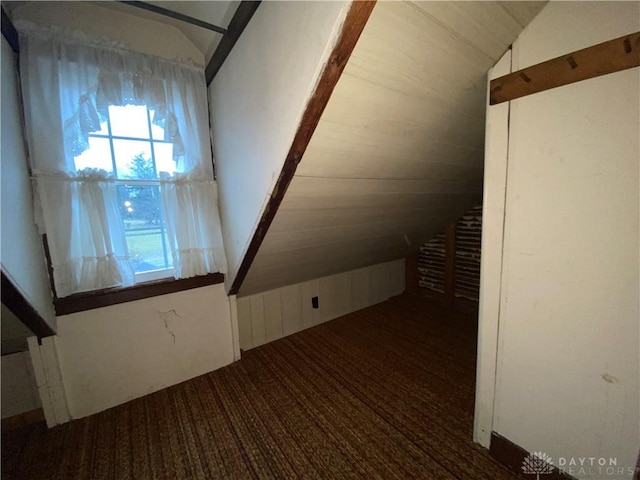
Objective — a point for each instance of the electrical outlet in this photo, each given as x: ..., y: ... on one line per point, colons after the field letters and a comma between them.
x: 314, y: 302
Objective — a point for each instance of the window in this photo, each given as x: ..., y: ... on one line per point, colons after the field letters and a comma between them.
x: 131, y: 147
x: 120, y: 153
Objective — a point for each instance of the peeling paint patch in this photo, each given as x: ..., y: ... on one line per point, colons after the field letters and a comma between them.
x: 609, y: 378
x: 166, y: 316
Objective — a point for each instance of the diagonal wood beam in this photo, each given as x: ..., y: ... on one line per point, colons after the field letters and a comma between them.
x: 21, y: 308
x: 238, y: 23
x: 9, y: 32
x: 353, y: 25
x: 608, y: 57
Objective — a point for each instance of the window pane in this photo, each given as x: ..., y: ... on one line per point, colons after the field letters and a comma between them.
x: 157, y: 131
x: 164, y: 157
x: 98, y: 155
x: 141, y: 211
x: 140, y: 206
x: 129, y: 121
x: 133, y: 159
x: 146, y: 250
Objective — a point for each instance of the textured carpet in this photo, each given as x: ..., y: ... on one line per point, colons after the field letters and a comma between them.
x: 386, y: 392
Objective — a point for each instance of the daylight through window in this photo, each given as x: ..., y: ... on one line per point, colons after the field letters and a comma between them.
x: 120, y: 154
x: 133, y: 149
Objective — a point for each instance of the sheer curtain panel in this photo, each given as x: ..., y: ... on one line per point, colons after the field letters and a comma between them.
x: 71, y: 85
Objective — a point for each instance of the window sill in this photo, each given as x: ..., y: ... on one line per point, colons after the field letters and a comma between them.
x: 81, y: 302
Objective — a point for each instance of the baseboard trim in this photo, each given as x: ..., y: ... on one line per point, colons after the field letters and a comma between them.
x: 22, y: 420
x: 512, y: 455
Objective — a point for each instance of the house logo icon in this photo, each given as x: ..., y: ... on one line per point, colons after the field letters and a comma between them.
x: 537, y: 463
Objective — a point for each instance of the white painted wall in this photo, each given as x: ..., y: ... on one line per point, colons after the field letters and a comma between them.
x: 19, y: 391
x: 268, y: 316
x: 22, y: 254
x: 568, y: 368
x: 257, y: 101
x: 114, y: 354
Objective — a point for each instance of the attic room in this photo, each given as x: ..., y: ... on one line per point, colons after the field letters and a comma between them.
x: 215, y: 219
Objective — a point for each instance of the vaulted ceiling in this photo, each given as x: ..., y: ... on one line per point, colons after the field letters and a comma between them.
x: 217, y: 13
x: 398, y: 152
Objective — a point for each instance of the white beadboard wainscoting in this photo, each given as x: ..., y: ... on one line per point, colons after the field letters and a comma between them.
x: 268, y: 316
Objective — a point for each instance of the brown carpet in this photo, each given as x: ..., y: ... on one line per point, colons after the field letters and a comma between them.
x: 386, y: 392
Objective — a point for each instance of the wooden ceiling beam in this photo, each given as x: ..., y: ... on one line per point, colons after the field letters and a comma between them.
x: 176, y: 15
x: 15, y: 301
x: 238, y: 23
x: 608, y: 57
x: 9, y: 32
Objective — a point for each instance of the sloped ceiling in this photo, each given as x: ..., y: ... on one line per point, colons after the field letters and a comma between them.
x: 398, y: 152
x: 217, y: 13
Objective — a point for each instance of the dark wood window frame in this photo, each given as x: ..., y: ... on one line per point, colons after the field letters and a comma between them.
x: 80, y: 302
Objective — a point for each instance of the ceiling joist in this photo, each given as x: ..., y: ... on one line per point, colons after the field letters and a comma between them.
x: 238, y: 23
x: 9, y: 32
x: 178, y: 16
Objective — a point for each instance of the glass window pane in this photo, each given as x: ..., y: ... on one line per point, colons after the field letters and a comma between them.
x: 133, y: 159
x: 157, y: 129
x: 164, y: 157
x: 157, y: 132
x: 97, y: 156
x: 129, y: 121
x: 146, y: 250
x: 140, y: 206
x: 141, y: 211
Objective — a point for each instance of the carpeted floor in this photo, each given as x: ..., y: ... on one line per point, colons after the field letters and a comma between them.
x: 386, y: 392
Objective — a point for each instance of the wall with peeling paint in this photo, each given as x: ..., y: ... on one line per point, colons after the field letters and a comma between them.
x: 114, y: 354
x: 568, y: 369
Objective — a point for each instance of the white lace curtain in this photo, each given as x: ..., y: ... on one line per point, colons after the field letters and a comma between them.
x: 68, y: 83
